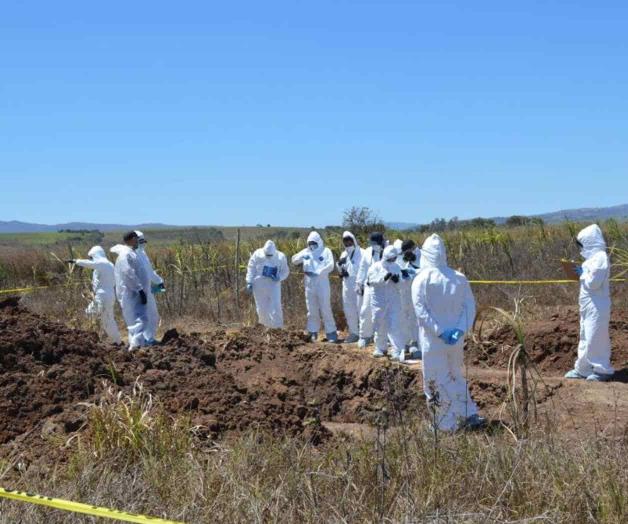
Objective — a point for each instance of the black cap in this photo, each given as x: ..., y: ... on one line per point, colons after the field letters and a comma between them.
x: 407, y: 245
x: 128, y: 236
x: 377, y: 237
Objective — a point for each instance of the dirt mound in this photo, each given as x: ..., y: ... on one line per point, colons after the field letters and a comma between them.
x: 552, y: 343
x: 226, y: 381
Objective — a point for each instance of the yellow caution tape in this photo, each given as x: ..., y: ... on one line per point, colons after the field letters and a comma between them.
x: 78, y: 507
x: 533, y: 282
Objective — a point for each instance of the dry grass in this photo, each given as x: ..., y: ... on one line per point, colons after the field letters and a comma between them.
x: 135, y: 459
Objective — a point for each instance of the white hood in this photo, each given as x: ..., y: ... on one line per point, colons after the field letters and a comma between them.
x: 315, y: 237
x: 592, y: 241
x: 97, y: 252
x: 118, y: 249
x: 433, y: 252
x: 269, y: 248
x: 349, y: 234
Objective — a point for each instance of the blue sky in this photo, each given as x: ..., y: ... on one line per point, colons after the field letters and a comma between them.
x: 289, y: 112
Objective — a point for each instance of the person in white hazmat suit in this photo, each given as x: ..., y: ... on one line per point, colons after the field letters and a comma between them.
x: 445, y: 309
x: 103, y: 285
x: 384, y: 279
x: 155, y: 284
x: 348, y: 265
x: 267, y: 269
x: 317, y: 262
x: 409, y: 261
x: 594, y: 349
x: 370, y: 255
x: 130, y: 290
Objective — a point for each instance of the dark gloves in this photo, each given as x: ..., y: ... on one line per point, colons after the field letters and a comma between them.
x: 409, y: 256
x: 388, y: 277
x: 143, y: 298
x: 395, y: 278
x: 405, y: 273
x: 344, y: 273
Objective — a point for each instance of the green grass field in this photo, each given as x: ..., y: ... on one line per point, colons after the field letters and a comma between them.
x: 154, y: 236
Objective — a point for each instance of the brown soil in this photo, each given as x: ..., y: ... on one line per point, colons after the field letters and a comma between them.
x: 229, y: 381
x: 226, y: 381
x: 552, y: 343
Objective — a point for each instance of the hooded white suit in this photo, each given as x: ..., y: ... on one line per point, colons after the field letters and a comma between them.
x: 130, y: 280
x: 369, y: 257
x: 409, y: 323
x: 386, y: 303
x: 103, y: 285
x: 594, y: 350
x: 266, y: 270
x: 317, y: 265
x: 348, y: 264
x: 152, y: 278
x: 443, y: 300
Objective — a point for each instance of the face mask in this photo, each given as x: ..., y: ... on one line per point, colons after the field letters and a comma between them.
x: 349, y: 249
x: 313, y: 246
x: 268, y: 255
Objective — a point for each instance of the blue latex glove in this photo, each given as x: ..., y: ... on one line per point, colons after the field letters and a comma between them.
x: 578, y: 270
x: 451, y: 336
x: 158, y: 288
x: 456, y: 336
x: 249, y: 288
x: 446, y: 335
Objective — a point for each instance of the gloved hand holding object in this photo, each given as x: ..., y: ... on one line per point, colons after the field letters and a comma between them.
x: 158, y: 288
x: 269, y: 271
x: 577, y: 269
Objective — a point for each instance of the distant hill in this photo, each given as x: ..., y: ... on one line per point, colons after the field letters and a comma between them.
x: 15, y: 226
x: 585, y: 214
x: 588, y: 214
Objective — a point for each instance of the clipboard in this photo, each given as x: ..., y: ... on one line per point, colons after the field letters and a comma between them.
x: 568, y: 268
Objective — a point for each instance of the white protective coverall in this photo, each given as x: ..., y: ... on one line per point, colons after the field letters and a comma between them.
x: 103, y: 285
x: 267, y: 269
x: 409, y: 323
x: 317, y: 265
x: 369, y: 257
x: 348, y: 265
x: 130, y: 280
x: 443, y: 300
x: 152, y: 313
x: 594, y: 350
x: 384, y: 279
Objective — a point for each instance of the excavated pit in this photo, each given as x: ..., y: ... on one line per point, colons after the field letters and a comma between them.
x: 225, y: 381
